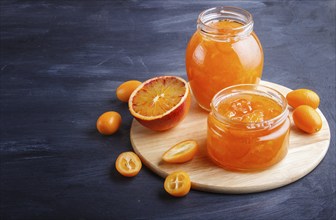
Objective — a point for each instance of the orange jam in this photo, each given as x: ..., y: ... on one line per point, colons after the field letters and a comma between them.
x: 248, y: 128
x: 224, y: 51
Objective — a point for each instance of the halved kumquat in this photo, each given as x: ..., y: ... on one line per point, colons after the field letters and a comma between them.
x: 128, y: 164
x: 181, y: 152
x: 177, y: 184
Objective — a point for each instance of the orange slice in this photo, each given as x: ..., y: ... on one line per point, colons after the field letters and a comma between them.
x: 160, y: 103
x: 181, y: 152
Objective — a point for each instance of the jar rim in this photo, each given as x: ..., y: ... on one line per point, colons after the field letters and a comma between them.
x: 272, y: 93
x: 244, y: 17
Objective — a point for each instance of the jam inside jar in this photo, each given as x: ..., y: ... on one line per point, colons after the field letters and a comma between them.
x: 223, y: 51
x: 248, y: 128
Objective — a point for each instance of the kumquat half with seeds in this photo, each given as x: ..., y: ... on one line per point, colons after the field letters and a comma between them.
x: 177, y: 184
x: 128, y: 164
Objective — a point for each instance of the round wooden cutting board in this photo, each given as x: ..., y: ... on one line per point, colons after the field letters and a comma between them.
x: 304, y: 154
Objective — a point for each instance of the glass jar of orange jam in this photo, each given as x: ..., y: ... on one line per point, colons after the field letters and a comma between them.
x: 248, y: 128
x: 223, y: 51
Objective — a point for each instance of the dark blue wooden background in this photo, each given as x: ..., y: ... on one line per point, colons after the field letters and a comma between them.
x: 61, y: 62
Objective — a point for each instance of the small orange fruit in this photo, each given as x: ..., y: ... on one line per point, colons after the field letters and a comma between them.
x: 177, y: 184
x: 181, y: 152
x: 160, y: 103
x: 108, y: 123
x: 125, y: 90
x: 307, y: 119
x: 128, y: 164
x: 303, y: 97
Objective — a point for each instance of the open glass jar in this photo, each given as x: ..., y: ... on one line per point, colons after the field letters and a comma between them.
x: 248, y: 128
x: 223, y: 51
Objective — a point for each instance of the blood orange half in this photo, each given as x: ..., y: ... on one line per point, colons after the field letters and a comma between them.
x: 160, y: 103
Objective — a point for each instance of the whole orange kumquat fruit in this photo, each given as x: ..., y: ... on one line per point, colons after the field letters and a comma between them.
x: 303, y: 97
x: 108, y: 123
x: 125, y: 90
x: 307, y: 119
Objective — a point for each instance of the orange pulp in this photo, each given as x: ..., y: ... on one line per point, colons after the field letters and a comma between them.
x: 245, y: 136
x: 213, y: 64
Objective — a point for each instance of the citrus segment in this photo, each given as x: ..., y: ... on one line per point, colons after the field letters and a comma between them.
x: 181, y: 152
x: 160, y: 103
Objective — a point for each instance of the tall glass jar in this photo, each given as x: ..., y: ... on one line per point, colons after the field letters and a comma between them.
x: 248, y: 128
x: 223, y: 51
